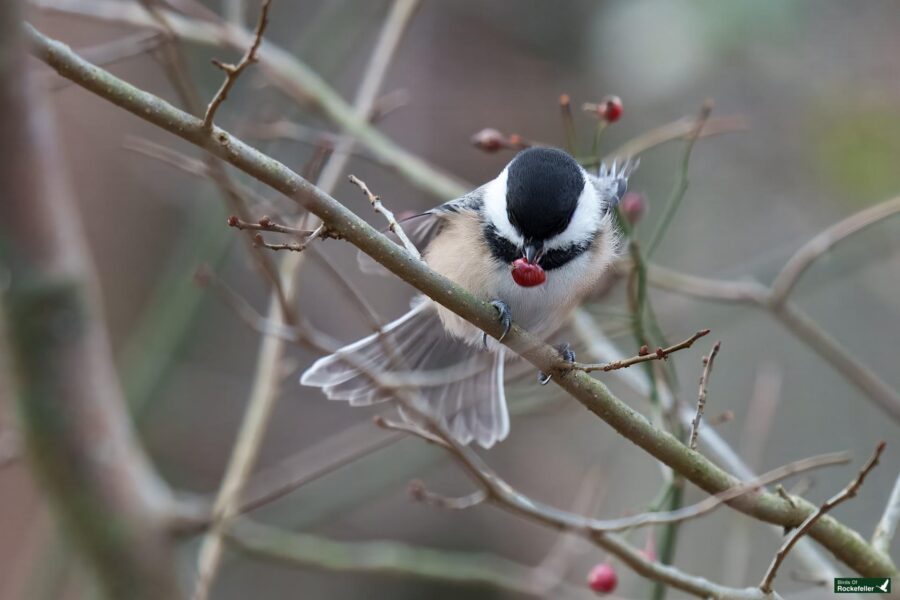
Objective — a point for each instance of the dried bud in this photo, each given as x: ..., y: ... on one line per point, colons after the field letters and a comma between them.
x: 489, y: 140
x: 564, y: 100
x: 632, y: 207
x: 265, y: 222
x: 258, y: 240
x: 233, y: 221
x: 603, y: 578
x: 610, y: 109
x: 660, y: 353
x: 644, y: 351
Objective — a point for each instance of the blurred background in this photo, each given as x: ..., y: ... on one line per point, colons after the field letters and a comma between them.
x: 819, y: 86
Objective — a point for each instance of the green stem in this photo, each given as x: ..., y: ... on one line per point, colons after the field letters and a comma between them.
x: 681, y: 183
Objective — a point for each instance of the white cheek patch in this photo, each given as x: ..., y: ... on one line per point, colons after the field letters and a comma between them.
x: 586, y: 220
x: 495, y: 208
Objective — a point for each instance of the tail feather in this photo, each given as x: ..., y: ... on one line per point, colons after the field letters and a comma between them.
x: 460, y: 387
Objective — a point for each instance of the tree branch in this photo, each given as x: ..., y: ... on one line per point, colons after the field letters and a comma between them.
x: 381, y: 209
x: 76, y: 431
x: 785, y: 311
x: 846, y: 544
x: 659, y: 354
x: 887, y: 525
x: 293, y: 77
x: 387, y: 558
x: 232, y: 72
x: 495, y: 490
x: 267, y: 378
x: 842, y: 496
x: 701, y: 398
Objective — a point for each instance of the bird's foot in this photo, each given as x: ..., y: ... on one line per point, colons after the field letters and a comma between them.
x: 505, y: 318
x: 566, y: 353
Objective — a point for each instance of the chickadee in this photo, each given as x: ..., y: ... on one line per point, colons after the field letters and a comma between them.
x: 534, y: 241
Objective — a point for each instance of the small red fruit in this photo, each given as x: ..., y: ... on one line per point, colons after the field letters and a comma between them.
x: 528, y: 274
x: 610, y: 108
x: 603, y: 578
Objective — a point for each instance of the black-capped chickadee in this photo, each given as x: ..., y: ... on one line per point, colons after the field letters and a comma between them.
x: 534, y: 242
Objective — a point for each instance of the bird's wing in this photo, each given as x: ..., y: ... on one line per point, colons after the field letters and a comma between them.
x: 421, y: 228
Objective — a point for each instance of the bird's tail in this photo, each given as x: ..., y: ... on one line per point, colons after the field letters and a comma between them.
x: 451, y: 382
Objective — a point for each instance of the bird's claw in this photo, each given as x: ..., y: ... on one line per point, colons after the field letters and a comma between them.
x: 566, y: 353
x: 505, y: 317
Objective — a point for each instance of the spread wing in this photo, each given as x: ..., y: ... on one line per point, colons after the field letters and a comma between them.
x: 421, y: 228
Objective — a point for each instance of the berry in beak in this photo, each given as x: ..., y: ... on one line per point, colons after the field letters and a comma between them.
x: 528, y: 274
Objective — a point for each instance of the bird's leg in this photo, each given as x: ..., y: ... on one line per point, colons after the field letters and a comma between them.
x: 505, y: 317
x: 566, y: 353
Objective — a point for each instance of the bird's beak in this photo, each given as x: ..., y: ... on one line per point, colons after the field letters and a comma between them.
x: 533, y: 253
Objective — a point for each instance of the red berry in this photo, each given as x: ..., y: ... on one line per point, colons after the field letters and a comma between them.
x: 603, y: 578
x: 610, y: 109
x: 232, y: 221
x: 528, y: 274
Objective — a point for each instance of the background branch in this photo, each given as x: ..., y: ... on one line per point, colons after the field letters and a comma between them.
x: 76, y: 431
x: 267, y: 379
x: 887, y: 525
x: 842, y: 496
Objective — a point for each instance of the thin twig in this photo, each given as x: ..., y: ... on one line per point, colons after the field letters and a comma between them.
x: 501, y: 493
x: 383, y: 557
x: 798, y: 322
x: 658, y: 354
x: 802, y: 259
x: 175, y: 66
x: 845, y: 494
x: 416, y: 490
x: 232, y: 71
x: 682, y: 129
x: 599, y: 344
x: 681, y: 184
x: 381, y: 209
x: 268, y: 373
x: 887, y: 525
x: 708, y: 504
x: 701, y: 398
x: 267, y: 224
x: 568, y: 546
